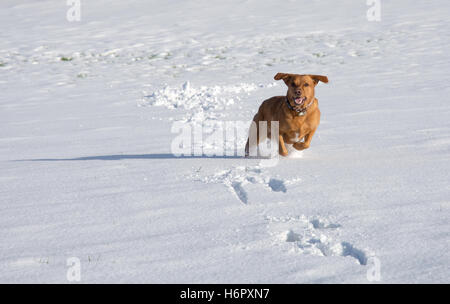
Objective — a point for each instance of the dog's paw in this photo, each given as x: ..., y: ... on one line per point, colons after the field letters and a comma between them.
x: 300, y: 146
x: 283, y: 153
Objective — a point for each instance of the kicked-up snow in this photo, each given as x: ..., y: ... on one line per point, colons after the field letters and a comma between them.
x: 88, y: 177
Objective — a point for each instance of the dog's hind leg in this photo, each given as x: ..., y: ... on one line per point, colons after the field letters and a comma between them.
x: 247, y: 148
x: 253, y: 138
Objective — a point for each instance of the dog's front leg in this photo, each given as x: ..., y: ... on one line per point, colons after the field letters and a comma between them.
x: 304, y: 145
x: 282, y: 148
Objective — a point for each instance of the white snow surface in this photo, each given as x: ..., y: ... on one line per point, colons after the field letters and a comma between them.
x: 86, y: 164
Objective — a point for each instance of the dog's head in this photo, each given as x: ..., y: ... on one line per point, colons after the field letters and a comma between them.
x: 300, y: 87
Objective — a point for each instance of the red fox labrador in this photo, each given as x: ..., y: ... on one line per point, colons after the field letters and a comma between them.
x: 297, y: 113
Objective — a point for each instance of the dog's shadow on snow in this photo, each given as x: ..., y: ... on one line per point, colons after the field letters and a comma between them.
x: 137, y: 156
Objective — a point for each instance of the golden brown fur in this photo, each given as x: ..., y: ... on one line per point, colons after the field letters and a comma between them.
x: 292, y: 127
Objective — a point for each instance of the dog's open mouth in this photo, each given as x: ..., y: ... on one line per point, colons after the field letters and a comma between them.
x: 299, y: 100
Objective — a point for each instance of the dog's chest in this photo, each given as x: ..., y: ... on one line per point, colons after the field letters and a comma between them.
x: 295, y: 137
x: 295, y: 131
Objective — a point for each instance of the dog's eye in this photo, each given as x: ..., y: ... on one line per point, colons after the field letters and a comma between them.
x: 293, y: 84
x: 306, y: 84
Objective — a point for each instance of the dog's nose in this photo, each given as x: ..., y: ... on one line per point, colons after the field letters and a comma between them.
x: 298, y: 92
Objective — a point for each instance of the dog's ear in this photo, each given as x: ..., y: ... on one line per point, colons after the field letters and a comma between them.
x: 317, y: 78
x: 284, y: 76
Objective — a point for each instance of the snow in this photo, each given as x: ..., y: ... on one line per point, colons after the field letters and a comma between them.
x: 87, y: 171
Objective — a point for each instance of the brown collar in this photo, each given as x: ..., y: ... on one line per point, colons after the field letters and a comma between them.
x: 300, y: 112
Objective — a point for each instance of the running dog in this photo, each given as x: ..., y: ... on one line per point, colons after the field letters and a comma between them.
x: 297, y: 113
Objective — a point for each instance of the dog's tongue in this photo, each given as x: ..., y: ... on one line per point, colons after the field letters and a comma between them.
x: 299, y: 100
